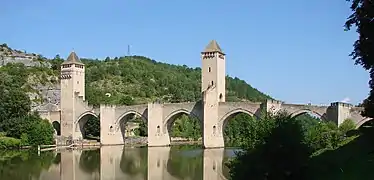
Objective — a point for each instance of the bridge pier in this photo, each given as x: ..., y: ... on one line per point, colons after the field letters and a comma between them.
x: 158, y: 134
x: 110, y: 133
x: 338, y: 112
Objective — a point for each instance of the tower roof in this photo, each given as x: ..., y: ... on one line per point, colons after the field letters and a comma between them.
x: 72, y: 59
x: 213, y: 47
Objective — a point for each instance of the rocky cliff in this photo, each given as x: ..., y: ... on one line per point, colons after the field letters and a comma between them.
x: 45, y: 93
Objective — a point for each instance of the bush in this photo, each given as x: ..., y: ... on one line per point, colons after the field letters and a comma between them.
x: 9, y: 143
x: 41, y: 133
x: 31, y: 129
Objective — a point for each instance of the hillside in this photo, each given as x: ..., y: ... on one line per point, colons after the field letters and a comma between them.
x: 132, y: 80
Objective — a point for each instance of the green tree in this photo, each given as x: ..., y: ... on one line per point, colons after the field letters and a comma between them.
x: 362, y: 18
x: 92, y: 127
x: 41, y: 133
x: 279, y: 157
x: 346, y: 126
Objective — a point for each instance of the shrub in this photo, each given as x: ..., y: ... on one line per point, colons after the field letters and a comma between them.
x: 9, y: 143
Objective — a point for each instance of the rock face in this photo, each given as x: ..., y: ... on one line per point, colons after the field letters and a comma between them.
x: 8, y: 55
x: 48, y: 96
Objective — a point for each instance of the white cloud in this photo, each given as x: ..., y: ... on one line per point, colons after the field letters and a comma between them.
x: 346, y: 100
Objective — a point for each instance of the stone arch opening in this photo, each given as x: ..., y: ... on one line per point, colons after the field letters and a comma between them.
x: 236, y: 125
x: 132, y: 124
x: 365, y: 123
x: 57, y: 127
x: 183, y: 125
x: 88, y: 126
x: 308, y: 118
x: 308, y: 112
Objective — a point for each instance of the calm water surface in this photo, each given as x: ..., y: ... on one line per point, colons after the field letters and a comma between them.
x: 117, y: 162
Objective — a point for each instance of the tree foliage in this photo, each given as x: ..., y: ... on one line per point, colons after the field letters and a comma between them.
x: 281, y: 147
x: 362, y: 18
x: 17, y: 120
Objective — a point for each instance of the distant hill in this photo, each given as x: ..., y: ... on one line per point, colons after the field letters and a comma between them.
x: 129, y: 80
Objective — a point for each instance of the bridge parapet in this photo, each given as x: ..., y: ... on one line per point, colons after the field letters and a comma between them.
x: 298, y: 109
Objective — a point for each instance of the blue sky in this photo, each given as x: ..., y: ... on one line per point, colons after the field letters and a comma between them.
x: 295, y: 51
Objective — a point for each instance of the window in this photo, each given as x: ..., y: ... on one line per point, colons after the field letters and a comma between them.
x: 220, y: 96
x: 158, y: 129
x: 209, y: 69
x: 214, y: 129
x: 212, y: 83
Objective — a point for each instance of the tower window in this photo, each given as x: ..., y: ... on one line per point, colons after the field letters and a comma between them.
x: 220, y: 96
x: 209, y: 69
x: 77, y: 82
x: 212, y: 83
x: 158, y: 129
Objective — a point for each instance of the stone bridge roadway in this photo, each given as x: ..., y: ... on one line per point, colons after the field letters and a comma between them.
x: 159, y: 117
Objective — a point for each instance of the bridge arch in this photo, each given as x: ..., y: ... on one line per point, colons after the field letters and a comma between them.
x: 363, y: 121
x: 131, y: 112
x: 229, y: 115
x: 122, y: 121
x: 81, y: 121
x: 306, y: 111
x: 170, y: 119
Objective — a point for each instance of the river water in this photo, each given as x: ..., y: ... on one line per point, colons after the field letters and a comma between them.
x: 118, y: 162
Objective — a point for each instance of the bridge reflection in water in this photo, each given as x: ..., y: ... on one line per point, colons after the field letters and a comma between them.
x: 156, y: 163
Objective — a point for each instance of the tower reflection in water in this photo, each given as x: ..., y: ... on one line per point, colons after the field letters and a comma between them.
x: 156, y: 163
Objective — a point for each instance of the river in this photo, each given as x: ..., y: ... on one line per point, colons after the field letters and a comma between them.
x: 118, y: 162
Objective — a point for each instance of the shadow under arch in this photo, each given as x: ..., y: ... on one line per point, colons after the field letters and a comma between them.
x: 126, y: 117
x: 82, y: 121
x: 89, y: 161
x: 186, y: 162
x: 57, y: 127
x: 134, y: 162
x: 172, y: 117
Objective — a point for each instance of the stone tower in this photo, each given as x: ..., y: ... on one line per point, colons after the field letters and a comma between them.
x: 214, y: 69
x: 213, y: 88
x: 72, y: 84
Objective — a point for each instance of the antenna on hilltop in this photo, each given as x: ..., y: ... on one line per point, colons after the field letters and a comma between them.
x: 128, y: 50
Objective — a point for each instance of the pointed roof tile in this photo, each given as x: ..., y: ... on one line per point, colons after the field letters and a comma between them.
x: 213, y: 47
x: 72, y: 59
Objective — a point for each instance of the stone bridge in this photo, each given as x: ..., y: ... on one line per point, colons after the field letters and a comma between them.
x: 212, y: 111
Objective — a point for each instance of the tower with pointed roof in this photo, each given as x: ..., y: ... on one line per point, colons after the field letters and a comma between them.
x: 214, y: 70
x: 213, y: 87
x: 72, y: 83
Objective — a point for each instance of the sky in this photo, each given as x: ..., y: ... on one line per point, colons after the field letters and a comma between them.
x: 295, y: 51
